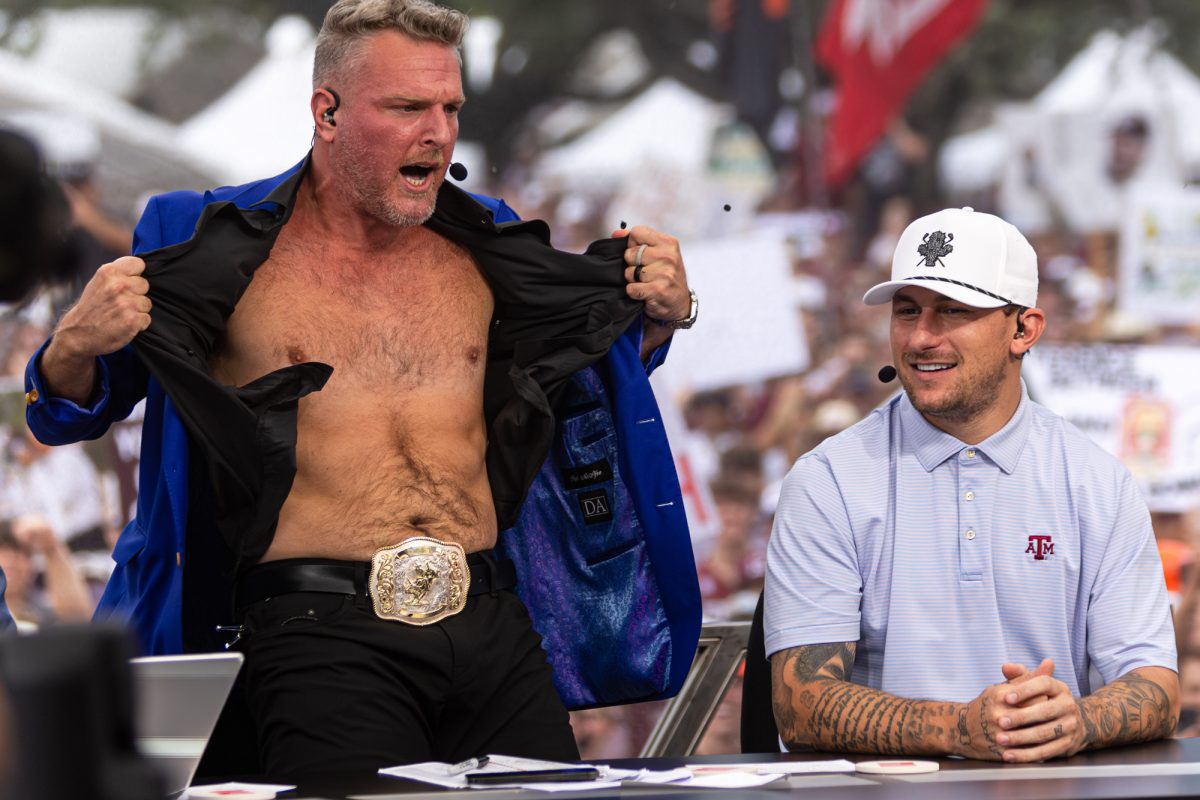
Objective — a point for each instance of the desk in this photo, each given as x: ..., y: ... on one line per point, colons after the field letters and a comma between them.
x: 1125, y: 772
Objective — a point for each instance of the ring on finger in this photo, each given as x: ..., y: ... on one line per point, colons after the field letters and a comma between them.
x: 637, y: 272
x: 637, y: 259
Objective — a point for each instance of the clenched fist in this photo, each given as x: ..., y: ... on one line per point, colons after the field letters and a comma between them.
x: 111, y: 311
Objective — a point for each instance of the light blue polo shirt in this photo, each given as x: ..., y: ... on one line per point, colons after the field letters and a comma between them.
x: 945, y: 560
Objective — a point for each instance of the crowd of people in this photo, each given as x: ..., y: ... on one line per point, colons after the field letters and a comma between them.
x: 755, y: 432
x: 60, y: 509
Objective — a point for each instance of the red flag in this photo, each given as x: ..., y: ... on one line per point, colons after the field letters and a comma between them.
x: 878, y: 51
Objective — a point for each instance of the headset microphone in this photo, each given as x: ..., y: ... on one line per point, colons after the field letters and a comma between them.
x: 887, y: 374
x: 458, y: 171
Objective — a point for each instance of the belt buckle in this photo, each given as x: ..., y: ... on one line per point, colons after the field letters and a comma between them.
x: 419, y: 581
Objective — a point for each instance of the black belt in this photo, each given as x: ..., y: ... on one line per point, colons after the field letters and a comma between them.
x: 274, y: 578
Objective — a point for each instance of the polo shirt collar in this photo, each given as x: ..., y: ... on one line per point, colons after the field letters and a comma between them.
x: 932, y: 446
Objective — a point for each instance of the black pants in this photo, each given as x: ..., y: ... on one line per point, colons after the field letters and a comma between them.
x: 333, y: 687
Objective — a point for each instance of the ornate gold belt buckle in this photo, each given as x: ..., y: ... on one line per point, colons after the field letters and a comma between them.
x: 419, y: 581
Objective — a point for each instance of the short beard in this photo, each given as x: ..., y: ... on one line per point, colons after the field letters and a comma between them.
x: 373, y: 199
x: 969, y: 402
x: 379, y: 208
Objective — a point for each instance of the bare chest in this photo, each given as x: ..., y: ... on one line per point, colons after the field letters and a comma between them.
x: 413, y: 319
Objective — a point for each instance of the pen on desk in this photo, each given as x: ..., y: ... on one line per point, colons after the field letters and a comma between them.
x: 467, y: 766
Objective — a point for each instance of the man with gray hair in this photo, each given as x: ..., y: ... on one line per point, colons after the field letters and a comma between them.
x: 355, y: 374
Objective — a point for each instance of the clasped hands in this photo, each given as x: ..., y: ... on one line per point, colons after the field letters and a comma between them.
x: 1030, y: 717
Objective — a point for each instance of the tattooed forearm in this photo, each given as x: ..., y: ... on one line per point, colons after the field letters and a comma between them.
x: 1136, y: 707
x: 840, y: 716
x: 825, y: 660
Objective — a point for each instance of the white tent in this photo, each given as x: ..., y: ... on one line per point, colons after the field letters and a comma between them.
x: 138, y: 152
x: 1054, y: 149
x: 77, y: 43
x: 262, y: 125
x: 669, y: 158
x: 668, y: 125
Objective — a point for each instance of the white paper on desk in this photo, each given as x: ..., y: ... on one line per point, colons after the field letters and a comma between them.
x: 727, y: 780
x: 429, y: 772
x: 709, y: 778
x: 662, y: 776
x: 805, y: 767
x: 435, y: 772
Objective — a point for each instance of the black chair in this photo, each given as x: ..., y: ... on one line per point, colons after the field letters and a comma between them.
x: 759, y: 732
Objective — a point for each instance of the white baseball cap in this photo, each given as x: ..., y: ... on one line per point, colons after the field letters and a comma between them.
x: 966, y: 255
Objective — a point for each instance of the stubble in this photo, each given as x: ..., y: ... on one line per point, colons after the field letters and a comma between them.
x: 373, y: 191
x: 967, y: 401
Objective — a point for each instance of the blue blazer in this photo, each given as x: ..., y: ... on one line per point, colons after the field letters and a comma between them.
x: 604, y: 556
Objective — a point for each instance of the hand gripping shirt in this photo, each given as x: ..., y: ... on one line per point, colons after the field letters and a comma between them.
x: 565, y: 392
x: 944, y: 560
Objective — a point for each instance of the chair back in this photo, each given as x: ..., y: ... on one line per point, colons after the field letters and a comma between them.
x: 759, y: 732
x: 686, y: 715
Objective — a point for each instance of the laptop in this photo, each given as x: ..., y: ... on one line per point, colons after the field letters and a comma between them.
x: 178, y: 701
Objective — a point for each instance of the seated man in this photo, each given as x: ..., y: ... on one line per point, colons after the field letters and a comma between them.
x: 963, y: 572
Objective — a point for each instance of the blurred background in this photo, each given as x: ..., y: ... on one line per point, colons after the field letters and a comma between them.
x: 787, y: 143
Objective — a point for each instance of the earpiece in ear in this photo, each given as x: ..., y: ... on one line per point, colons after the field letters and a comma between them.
x: 327, y: 114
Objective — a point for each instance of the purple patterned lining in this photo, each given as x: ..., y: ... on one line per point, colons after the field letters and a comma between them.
x: 589, y: 586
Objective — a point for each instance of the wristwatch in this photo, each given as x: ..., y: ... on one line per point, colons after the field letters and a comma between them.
x: 686, y: 322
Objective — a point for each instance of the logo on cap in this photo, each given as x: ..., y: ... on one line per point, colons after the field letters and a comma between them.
x: 936, y: 245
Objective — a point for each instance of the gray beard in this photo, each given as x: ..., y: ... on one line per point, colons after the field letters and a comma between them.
x: 379, y: 208
x: 376, y: 203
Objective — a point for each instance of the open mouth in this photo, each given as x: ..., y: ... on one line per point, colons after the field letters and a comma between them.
x: 932, y: 367
x: 417, y: 175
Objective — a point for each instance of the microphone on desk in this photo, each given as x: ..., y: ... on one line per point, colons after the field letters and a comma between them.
x: 887, y: 374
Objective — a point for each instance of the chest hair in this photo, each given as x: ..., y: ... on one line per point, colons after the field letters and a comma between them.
x: 407, y: 318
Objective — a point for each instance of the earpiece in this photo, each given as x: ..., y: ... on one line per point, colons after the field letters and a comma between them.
x: 1020, y: 334
x: 327, y: 114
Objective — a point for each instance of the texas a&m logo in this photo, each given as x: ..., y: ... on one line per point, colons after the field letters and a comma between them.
x: 1040, y: 546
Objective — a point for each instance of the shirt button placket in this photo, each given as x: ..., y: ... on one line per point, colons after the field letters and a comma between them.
x: 970, y: 558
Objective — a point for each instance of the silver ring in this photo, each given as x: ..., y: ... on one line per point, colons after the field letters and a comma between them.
x: 637, y: 272
x: 637, y: 259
